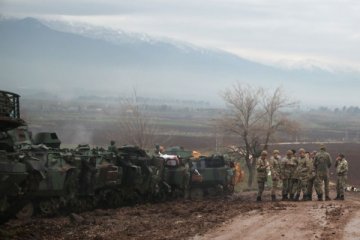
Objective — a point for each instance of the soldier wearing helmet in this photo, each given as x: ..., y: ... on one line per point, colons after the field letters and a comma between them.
x: 322, y: 163
x: 302, y: 171
x: 262, y: 169
x: 288, y: 165
x: 341, y: 171
x: 274, y: 163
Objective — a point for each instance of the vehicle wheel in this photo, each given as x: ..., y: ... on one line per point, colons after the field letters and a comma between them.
x: 49, y: 207
x: 26, y: 212
x: 197, y: 194
x: 114, y: 199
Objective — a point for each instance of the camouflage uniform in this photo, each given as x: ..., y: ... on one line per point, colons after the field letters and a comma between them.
x: 275, y: 170
x: 302, y: 176
x: 262, y: 169
x: 322, y: 163
x: 312, y: 177
x: 294, y: 179
x: 288, y: 165
x: 341, y: 171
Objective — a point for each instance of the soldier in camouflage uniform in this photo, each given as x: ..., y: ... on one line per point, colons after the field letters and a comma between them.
x: 322, y: 163
x: 288, y: 165
x: 341, y: 170
x: 275, y: 170
x: 262, y: 169
x: 312, y: 175
x: 302, y: 174
x: 294, y: 177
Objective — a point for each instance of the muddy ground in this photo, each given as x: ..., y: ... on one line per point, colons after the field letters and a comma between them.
x: 236, y: 217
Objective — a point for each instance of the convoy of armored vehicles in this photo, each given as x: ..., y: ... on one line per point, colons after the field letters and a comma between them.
x: 37, y: 176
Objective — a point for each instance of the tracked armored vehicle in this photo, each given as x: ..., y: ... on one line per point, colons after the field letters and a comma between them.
x: 12, y: 170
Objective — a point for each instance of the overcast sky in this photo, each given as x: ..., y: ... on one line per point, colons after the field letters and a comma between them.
x: 285, y: 33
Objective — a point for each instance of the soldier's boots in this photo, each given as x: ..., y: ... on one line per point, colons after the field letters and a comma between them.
x: 305, y: 197
x: 273, y: 198
x: 342, y: 197
x: 258, y: 199
x: 337, y: 197
x: 308, y: 197
x: 284, y: 197
x: 327, y: 198
x: 320, y: 197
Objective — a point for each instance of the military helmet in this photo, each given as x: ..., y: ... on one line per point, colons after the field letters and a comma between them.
x: 289, y: 152
x: 322, y: 147
x: 112, y: 142
x: 341, y: 155
x: 302, y: 150
x: 276, y: 151
x: 264, y: 153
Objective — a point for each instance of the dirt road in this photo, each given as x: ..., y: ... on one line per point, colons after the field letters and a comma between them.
x: 300, y: 220
x: 237, y: 217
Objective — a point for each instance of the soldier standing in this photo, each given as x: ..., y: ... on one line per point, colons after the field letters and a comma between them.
x: 288, y: 165
x: 262, y: 168
x: 302, y: 170
x: 294, y: 177
x: 312, y: 175
x: 112, y: 148
x: 274, y: 163
x: 341, y: 170
x: 322, y: 163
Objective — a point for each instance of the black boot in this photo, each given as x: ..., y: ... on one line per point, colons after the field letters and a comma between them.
x: 284, y: 197
x: 327, y: 198
x: 305, y: 197
x: 258, y: 199
x: 337, y: 197
x: 273, y: 198
x: 342, y: 197
x: 309, y: 196
x: 320, y: 197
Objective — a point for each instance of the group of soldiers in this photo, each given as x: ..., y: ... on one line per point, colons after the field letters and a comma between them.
x: 300, y: 174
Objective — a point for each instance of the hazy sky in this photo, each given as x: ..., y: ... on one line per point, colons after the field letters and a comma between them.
x: 302, y: 33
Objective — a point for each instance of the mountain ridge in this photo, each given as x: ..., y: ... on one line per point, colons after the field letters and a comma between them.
x: 39, y: 57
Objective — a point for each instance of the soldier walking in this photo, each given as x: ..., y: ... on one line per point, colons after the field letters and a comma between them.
x: 288, y: 165
x: 262, y: 169
x: 322, y: 163
x: 274, y: 163
x: 341, y: 170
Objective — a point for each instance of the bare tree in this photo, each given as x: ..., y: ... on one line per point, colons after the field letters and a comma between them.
x: 136, y: 126
x: 254, y: 116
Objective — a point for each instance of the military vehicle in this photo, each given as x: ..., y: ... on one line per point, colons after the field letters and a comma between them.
x: 36, y: 175
x: 178, y: 151
x: 98, y: 179
x: 217, y: 177
x: 177, y: 175
x: 12, y: 171
x: 142, y: 179
x: 49, y: 139
x: 51, y: 182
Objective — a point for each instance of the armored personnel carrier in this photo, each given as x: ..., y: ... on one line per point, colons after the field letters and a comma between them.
x: 12, y: 170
